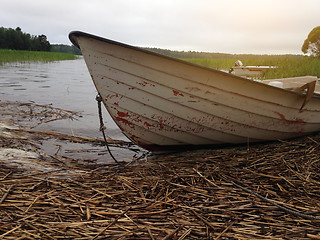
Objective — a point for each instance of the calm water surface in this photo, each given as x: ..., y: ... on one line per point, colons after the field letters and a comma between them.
x: 63, y: 84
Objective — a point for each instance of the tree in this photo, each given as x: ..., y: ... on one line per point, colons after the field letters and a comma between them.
x: 44, y: 43
x: 312, y: 44
x: 17, y: 40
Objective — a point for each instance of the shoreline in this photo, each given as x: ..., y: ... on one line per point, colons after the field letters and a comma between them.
x: 22, y: 143
x: 52, y: 194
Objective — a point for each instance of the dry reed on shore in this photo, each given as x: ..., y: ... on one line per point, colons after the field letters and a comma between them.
x: 178, y: 196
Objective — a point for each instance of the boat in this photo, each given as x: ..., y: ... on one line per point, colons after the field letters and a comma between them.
x: 163, y: 104
x: 249, y: 71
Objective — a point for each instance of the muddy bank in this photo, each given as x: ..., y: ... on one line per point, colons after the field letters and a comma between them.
x: 266, y: 191
x: 20, y: 137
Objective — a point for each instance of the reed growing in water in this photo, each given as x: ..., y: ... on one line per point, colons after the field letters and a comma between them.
x: 7, y: 55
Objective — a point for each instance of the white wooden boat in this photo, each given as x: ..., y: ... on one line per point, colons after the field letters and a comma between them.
x: 162, y: 103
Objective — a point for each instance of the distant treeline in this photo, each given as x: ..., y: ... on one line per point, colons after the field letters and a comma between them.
x: 15, y: 39
x: 65, y: 49
x: 208, y: 55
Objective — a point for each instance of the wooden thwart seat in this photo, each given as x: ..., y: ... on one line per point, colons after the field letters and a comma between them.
x: 299, y: 84
x: 294, y: 82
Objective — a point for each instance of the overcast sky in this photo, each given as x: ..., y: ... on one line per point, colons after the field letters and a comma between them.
x: 227, y: 26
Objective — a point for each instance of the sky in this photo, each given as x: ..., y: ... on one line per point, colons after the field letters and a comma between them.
x: 224, y: 26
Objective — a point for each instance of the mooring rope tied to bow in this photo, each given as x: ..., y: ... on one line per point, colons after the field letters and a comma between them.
x: 102, y: 127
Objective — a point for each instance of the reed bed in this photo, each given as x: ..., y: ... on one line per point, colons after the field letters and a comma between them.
x: 180, y: 196
x: 33, y: 56
x: 261, y: 191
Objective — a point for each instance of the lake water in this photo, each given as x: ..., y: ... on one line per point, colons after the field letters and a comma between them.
x: 66, y: 85
x: 63, y: 84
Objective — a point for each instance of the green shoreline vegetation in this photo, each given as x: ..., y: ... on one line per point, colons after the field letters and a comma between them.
x: 287, y: 66
x: 7, y: 55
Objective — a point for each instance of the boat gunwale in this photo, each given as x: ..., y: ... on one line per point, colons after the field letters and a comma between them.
x: 74, y: 34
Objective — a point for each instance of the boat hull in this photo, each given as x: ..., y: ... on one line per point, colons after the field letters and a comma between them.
x: 162, y: 103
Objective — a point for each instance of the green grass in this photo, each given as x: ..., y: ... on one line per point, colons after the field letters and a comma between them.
x: 287, y: 66
x: 33, y: 56
x: 216, y: 63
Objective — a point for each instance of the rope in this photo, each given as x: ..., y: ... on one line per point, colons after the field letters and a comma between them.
x: 102, y: 127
